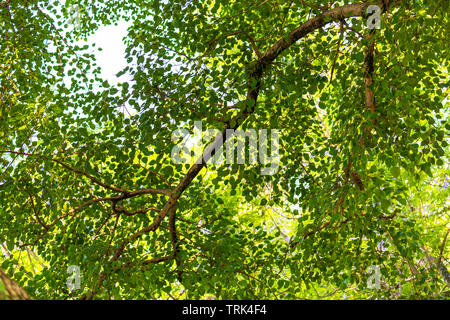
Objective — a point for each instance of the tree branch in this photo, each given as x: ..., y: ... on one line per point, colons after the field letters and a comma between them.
x: 256, y: 72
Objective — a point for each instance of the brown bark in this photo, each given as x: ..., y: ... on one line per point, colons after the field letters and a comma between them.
x: 10, y: 290
x: 256, y: 72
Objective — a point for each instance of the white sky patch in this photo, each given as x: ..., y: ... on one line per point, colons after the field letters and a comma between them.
x: 112, y: 58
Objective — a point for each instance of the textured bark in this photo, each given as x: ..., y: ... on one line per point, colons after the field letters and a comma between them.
x: 368, y: 72
x: 257, y: 71
x: 10, y: 290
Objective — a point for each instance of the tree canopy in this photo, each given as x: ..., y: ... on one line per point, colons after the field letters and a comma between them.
x: 93, y: 205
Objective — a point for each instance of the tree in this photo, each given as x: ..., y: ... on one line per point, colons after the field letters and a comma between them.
x: 9, y: 289
x: 89, y: 178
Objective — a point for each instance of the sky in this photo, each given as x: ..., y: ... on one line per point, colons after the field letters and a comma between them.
x: 112, y: 58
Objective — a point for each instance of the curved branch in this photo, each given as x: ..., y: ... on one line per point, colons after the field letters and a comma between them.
x: 12, y: 290
x: 255, y: 81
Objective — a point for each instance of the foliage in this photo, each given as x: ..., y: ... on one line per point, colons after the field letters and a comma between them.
x: 87, y: 178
